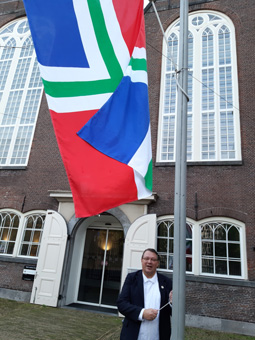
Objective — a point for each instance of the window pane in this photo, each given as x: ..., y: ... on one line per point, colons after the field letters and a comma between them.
x: 5, y: 234
x: 206, y: 232
x: 9, y: 224
x: 162, y: 229
x: 220, y: 249
x: 233, y: 234
x: 27, y: 235
x: 33, y: 229
x: 13, y: 234
x: 37, y: 235
x: 162, y: 246
x: 234, y: 250
x: 207, y: 248
x: 220, y: 233
x: 207, y: 266
x: 221, y: 267
x: 188, y: 231
x: 189, y: 247
x: 10, y: 248
x: 2, y: 247
x: 163, y: 262
x: 24, y: 249
x: 34, y: 250
x: 170, y: 262
x: 171, y: 246
x: 234, y: 268
x: 189, y: 264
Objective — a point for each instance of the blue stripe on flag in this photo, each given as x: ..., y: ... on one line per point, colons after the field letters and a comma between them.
x: 54, y: 28
x: 120, y: 126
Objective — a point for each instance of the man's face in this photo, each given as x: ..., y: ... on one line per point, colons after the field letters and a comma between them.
x: 149, y: 264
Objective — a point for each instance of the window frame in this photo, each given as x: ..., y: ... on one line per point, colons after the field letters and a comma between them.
x: 195, y: 114
x: 18, y: 132
x: 197, y: 246
x: 20, y: 232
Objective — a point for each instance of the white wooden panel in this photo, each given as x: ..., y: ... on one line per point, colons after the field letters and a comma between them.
x: 142, y: 234
x: 50, y: 262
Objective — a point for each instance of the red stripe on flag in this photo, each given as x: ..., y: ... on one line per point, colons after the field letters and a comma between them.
x: 130, y: 17
x: 98, y: 182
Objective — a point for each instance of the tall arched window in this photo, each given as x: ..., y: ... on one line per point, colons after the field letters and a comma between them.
x: 213, y: 108
x: 20, y: 93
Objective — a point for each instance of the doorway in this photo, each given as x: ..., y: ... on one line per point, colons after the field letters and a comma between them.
x: 101, y: 267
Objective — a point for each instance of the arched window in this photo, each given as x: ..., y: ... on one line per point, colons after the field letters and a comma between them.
x: 21, y: 234
x: 221, y: 249
x: 213, y: 132
x: 20, y: 93
x: 214, y: 247
x: 165, y: 244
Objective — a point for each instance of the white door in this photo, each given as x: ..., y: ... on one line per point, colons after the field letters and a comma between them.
x: 141, y: 234
x: 50, y: 261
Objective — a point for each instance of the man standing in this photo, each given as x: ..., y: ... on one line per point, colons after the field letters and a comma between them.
x: 143, y: 294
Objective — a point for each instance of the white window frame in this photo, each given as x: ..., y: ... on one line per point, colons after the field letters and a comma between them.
x: 195, y: 113
x: 20, y: 232
x: 18, y: 146
x: 243, y: 252
x: 197, y: 249
x: 191, y: 224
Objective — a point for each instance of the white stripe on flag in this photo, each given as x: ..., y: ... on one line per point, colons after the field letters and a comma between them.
x: 74, y: 104
x: 139, y: 53
x: 141, y: 159
x: 142, y: 191
x: 137, y: 76
x: 89, y: 41
x: 66, y: 74
x: 114, y: 32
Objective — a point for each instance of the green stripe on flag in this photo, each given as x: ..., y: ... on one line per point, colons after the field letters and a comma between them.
x: 138, y: 64
x: 80, y: 88
x: 104, y: 41
x: 148, y: 177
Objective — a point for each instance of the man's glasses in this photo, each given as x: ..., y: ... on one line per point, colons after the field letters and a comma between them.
x: 150, y: 258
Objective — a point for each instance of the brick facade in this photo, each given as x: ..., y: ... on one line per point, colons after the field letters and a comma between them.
x: 212, y: 190
x: 27, y: 189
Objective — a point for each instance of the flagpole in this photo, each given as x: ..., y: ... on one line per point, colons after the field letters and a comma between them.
x: 179, y: 264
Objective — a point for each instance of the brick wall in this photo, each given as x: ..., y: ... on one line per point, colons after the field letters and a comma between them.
x: 11, y: 277
x: 227, y: 190
x: 27, y: 189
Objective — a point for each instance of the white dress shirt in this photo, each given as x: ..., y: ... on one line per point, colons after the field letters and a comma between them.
x: 149, y: 330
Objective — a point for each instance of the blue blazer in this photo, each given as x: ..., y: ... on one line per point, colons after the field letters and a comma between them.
x: 131, y: 301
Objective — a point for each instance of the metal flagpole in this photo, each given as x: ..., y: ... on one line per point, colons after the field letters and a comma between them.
x: 179, y: 272
x: 179, y: 264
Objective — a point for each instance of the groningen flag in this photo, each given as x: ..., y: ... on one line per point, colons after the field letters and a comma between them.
x: 92, y: 59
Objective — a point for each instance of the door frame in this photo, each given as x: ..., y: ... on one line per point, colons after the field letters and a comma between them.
x: 75, y: 253
x: 107, y: 228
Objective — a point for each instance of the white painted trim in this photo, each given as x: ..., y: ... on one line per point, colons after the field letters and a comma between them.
x: 196, y: 109
x: 196, y: 246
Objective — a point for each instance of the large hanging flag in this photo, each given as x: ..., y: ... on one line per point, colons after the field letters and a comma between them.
x: 92, y: 60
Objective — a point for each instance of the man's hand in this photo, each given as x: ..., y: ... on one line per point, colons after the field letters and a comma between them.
x: 150, y: 314
x: 171, y: 297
